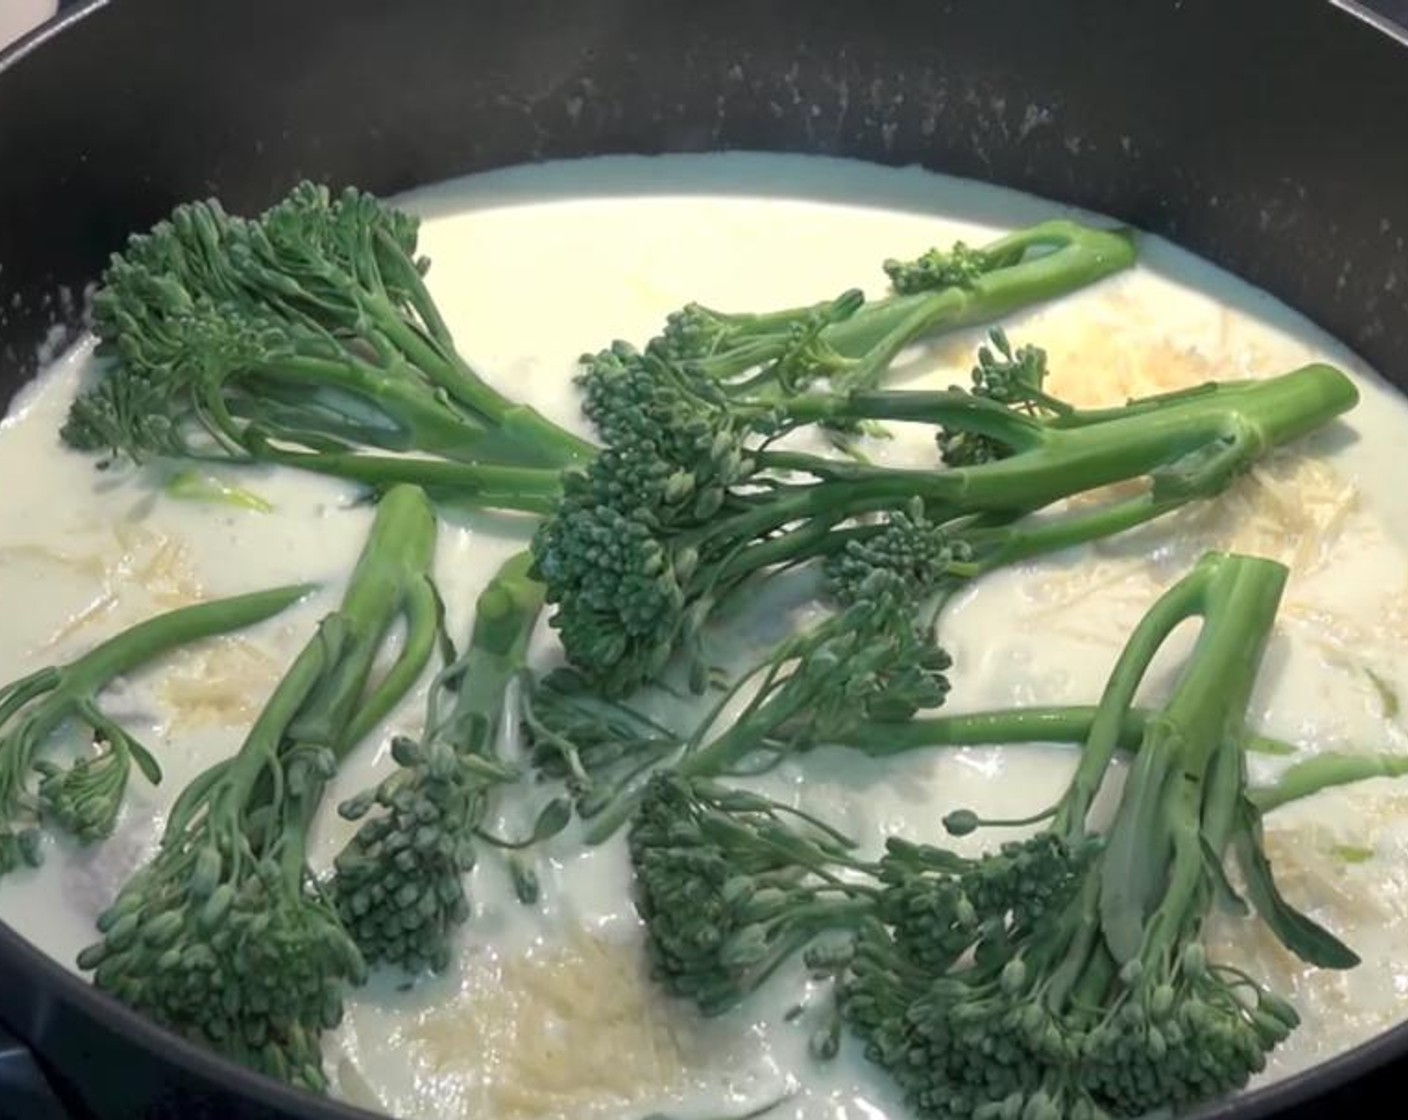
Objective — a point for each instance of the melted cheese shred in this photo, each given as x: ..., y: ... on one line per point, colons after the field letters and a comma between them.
x: 566, y: 1030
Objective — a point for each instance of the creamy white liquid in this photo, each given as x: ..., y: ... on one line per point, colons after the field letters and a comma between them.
x: 531, y: 268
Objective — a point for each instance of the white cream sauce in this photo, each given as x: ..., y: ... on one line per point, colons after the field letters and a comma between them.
x: 531, y: 268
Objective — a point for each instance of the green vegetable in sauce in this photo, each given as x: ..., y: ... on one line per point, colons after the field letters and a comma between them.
x: 1059, y: 977
x: 399, y: 881
x: 692, y: 502
x: 84, y: 797
x: 1063, y: 975
x: 190, y: 485
x: 225, y: 936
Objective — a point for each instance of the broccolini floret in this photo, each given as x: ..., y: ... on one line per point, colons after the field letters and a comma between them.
x: 729, y: 889
x: 1011, y: 378
x: 83, y: 798
x: 225, y: 936
x: 904, y: 542
x: 399, y: 882
x: 303, y: 336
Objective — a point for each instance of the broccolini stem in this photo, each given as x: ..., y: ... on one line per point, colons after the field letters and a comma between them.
x: 1210, y: 434
x: 1117, y: 700
x: 423, y: 612
x: 1039, y: 263
x: 508, y: 610
x: 1045, y: 724
x: 1324, y: 771
x: 534, y: 490
x: 526, y: 436
x: 33, y: 709
x: 388, y: 582
x: 999, y: 547
x: 1213, y: 435
x: 259, y: 754
x: 1154, y: 864
x: 153, y: 637
x: 429, y: 423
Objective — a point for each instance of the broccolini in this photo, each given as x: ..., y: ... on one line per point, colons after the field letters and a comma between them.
x: 1071, y: 978
x: 1063, y: 975
x: 770, y: 357
x: 692, y: 501
x: 399, y: 882
x: 225, y: 936
x: 84, y: 797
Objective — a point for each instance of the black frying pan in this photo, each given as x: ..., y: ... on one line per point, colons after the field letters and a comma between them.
x: 1268, y: 135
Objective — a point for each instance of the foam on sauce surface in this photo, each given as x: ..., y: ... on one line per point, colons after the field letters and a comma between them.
x: 548, y: 1012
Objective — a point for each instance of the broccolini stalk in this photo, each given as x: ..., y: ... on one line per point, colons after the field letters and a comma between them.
x: 225, y: 937
x: 1325, y: 771
x: 604, y: 750
x: 769, y: 357
x: 679, y: 514
x: 1065, y: 724
x: 1075, y: 983
x: 84, y: 797
x: 303, y: 332
x: 399, y: 884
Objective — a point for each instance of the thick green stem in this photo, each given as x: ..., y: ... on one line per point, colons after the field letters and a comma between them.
x: 150, y: 639
x: 1244, y: 419
x: 1008, y: 545
x: 1049, y: 724
x: 526, y: 436
x: 1247, y: 418
x: 234, y: 780
x: 428, y: 422
x: 1040, y: 263
x: 1117, y: 700
x: 422, y: 611
x: 389, y: 582
x: 521, y: 489
x: 505, y: 616
x: 1325, y: 771
x: 1153, y: 867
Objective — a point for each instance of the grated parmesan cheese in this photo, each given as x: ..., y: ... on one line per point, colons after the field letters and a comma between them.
x: 222, y: 683
x: 561, y: 1032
